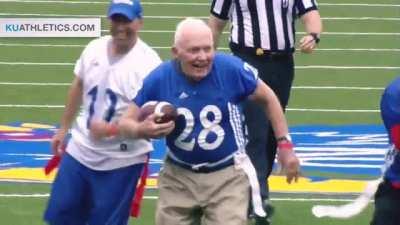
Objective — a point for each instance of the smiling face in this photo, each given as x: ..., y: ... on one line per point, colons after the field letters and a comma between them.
x: 194, y: 49
x: 124, y: 32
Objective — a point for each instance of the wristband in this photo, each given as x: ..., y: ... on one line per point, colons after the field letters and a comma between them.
x: 285, y: 145
x: 315, y: 36
x: 112, y: 130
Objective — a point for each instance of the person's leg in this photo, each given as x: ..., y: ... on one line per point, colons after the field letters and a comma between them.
x: 226, y: 197
x: 112, y: 193
x: 68, y: 204
x: 177, y: 202
x: 387, y: 201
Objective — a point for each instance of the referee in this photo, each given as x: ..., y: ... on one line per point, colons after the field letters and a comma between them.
x: 262, y: 33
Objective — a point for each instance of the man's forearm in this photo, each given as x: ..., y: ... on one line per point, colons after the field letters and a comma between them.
x: 312, y: 22
x: 217, y: 26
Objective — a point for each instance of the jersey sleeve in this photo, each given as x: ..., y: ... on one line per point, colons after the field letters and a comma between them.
x: 80, y: 65
x: 128, y: 83
x: 82, y: 62
x: 304, y: 6
x: 150, y: 89
x: 221, y: 8
x: 245, y: 78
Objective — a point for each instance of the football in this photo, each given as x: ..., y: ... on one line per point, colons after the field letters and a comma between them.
x: 165, y: 111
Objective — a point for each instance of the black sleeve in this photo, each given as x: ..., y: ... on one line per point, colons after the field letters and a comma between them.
x: 221, y: 8
x: 304, y: 6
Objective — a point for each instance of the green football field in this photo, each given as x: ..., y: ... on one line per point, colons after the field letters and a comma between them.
x: 340, y: 83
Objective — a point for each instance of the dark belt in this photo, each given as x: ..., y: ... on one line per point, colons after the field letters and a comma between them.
x: 202, y: 169
x: 259, y: 52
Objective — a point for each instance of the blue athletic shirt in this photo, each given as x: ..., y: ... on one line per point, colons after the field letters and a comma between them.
x: 209, y: 126
x: 390, y: 112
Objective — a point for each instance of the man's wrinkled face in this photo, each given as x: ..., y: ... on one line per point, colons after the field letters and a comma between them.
x: 195, y: 52
x: 124, y: 31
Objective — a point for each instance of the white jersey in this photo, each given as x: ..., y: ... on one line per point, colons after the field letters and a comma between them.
x: 109, y: 85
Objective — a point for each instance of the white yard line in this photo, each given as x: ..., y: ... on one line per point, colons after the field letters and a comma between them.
x: 288, y: 109
x: 336, y: 87
x: 33, y: 84
x: 153, y: 197
x: 222, y: 48
x: 297, y: 67
x: 334, y: 110
x: 30, y: 106
x: 37, y: 63
x: 182, y: 17
x: 294, y: 87
x: 348, y: 67
x: 298, y: 33
x: 185, y: 3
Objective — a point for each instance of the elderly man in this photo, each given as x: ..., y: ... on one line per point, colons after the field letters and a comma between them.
x: 207, y: 175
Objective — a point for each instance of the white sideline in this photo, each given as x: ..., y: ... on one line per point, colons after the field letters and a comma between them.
x: 187, y: 4
x: 294, y: 87
x: 221, y: 48
x: 45, y: 195
x: 182, y: 17
x: 288, y: 109
x: 297, y: 67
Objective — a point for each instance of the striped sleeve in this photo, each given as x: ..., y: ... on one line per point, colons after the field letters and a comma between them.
x: 221, y: 8
x: 304, y: 6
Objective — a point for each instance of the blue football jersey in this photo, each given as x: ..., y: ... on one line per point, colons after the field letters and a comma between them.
x: 209, y: 126
x: 390, y: 112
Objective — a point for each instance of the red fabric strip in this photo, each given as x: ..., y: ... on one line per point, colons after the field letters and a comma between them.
x: 137, y: 199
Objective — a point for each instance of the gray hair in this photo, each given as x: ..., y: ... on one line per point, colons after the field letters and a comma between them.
x: 189, y: 23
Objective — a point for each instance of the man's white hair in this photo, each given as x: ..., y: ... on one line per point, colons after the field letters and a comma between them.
x: 189, y: 23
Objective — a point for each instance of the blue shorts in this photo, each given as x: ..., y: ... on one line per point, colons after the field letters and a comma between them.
x: 82, y: 196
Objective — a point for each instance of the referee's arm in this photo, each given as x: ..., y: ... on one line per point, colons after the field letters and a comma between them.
x: 217, y: 25
x: 313, y: 27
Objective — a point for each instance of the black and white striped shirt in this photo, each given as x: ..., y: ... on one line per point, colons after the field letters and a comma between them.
x: 266, y: 24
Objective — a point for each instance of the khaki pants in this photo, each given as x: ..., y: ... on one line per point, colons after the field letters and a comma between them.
x: 222, y: 197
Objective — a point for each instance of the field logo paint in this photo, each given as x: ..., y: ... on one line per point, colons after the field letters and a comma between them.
x: 351, y: 150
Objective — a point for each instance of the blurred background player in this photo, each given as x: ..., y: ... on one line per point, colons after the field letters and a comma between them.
x: 262, y: 34
x: 387, y: 197
x: 207, y: 175
x: 96, y: 180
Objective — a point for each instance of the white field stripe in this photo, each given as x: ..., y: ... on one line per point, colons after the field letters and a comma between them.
x: 336, y: 87
x: 30, y: 106
x: 41, y: 45
x: 339, y: 149
x: 358, y: 33
x: 299, y: 33
x: 334, y: 110
x: 377, y: 159
x: 33, y: 84
x: 348, y: 67
x: 221, y: 48
x: 184, y: 3
x: 363, y: 18
x: 38, y: 63
x: 288, y: 109
x: 359, y: 49
x: 297, y: 67
x: 352, y: 154
x: 335, y: 165
x: 92, y: 15
x: 154, y: 197
x: 183, y: 17
x: 359, y: 4
x: 294, y: 87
